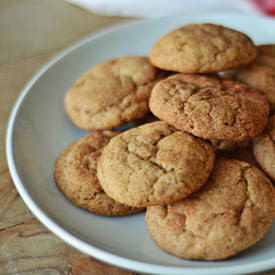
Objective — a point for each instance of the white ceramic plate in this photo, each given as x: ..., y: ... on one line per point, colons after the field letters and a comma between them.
x: 38, y: 131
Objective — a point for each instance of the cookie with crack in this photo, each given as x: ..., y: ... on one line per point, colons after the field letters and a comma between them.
x: 75, y: 175
x: 154, y: 164
x: 202, y: 48
x: 264, y: 148
x: 111, y: 93
x: 210, y: 108
x: 260, y: 74
x: 231, y: 212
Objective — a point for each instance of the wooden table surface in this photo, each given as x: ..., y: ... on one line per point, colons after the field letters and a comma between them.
x: 32, y: 31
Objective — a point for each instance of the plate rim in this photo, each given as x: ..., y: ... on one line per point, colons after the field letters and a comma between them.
x: 69, y: 238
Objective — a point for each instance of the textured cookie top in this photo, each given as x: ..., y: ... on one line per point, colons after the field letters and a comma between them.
x: 210, y: 108
x: 232, y: 211
x: 154, y: 164
x: 264, y: 148
x: 202, y: 48
x: 261, y: 73
x: 111, y: 93
x: 75, y: 175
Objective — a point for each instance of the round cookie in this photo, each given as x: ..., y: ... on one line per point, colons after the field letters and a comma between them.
x: 111, y: 93
x: 231, y: 212
x: 260, y: 73
x: 209, y: 107
x: 154, y: 164
x: 264, y: 148
x: 75, y: 175
x: 202, y: 48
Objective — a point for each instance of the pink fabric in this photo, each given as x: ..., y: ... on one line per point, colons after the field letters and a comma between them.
x: 266, y: 7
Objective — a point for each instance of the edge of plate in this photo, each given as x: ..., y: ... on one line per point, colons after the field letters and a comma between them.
x: 71, y: 239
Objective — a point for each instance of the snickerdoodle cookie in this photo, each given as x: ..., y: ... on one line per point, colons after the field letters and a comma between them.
x: 261, y: 73
x: 154, y: 164
x: 264, y: 148
x: 202, y: 48
x: 75, y: 175
x: 111, y: 93
x: 231, y: 212
x: 209, y: 107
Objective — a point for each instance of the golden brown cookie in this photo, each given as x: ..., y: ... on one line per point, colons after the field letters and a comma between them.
x: 75, y: 175
x: 264, y: 148
x: 261, y: 73
x: 154, y: 164
x: 111, y: 93
x: 209, y: 107
x: 232, y: 211
x: 202, y: 48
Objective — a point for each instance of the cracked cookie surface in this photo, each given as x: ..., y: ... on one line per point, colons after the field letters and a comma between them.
x: 260, y: 74
x: 231, y: 212
x: 154, y: 164
x: 202, y: 48
x: 111, y: 93
x: 264, y: 148
x: 209, y: 107
x: 75, y: 175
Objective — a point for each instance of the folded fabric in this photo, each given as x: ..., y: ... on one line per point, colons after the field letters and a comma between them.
x: 157, y: 8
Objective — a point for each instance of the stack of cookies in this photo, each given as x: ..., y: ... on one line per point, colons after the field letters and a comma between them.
x: 192, y: 168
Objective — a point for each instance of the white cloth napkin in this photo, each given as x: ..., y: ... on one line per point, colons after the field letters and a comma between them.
x: 156, y: 8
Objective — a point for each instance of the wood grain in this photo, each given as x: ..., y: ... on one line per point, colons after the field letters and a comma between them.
x: 33, y: 27
x: 13, y: 76
x: 20, y: 252
x: 32, y: 249
x: 89, y: 266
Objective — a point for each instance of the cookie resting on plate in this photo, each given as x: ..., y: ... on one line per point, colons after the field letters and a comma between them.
x: 154, y: 164
x: 202, y: 48
x: 111, y: 93
x: 260, y: 73
x: 231, y: 212
x: 210, y: 107
x: 75, y: 175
